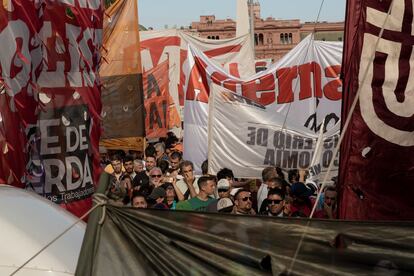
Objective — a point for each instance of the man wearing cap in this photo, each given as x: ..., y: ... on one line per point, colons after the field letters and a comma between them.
x: 223, y: 188
x: 302, y: 202
x: 157, y: 197
x: 170, y: 195
x: 223, y: 191
x: 243, y: 203
x: 207, y: 186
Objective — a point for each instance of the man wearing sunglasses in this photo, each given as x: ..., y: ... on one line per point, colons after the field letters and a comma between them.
x: 223, y: 188
x: 275, y: 203
x: 243, y: 203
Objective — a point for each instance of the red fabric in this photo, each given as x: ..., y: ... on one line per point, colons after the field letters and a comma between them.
x: 377, y: 166
x: 50, y: 75
x: 157, y: 97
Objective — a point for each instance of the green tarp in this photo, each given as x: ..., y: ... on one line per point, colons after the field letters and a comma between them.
x: 159, y: 242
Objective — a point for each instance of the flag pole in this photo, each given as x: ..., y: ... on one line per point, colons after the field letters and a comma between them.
x: 251, y: 13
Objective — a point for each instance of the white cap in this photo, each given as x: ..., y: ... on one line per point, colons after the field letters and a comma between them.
x: 223, y: 184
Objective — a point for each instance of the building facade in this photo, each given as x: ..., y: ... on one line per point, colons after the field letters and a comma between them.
x: 273, y: 38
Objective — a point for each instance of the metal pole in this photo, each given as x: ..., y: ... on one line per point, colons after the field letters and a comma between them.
x: 250, y: 5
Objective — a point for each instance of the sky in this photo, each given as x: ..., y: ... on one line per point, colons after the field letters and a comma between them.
x: 161, y: 13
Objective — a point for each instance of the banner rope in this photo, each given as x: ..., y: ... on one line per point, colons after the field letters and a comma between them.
x: 98, y: 199
x: 345, y: 127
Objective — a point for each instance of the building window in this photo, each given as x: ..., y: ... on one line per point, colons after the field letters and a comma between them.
x: 290, y: 38
x: 256, y: 40
x: 217, y: 37
x: 208, y: 37
x: 261, y: 39
x: 282, y: 39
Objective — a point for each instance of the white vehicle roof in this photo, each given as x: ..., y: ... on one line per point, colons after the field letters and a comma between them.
x: 27, y: 223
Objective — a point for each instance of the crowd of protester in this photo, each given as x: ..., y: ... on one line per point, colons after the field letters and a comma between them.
x: 160, y: 178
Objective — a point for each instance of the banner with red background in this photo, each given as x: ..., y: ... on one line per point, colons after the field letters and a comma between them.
x: 157, y: 101
x: 377, y: 154
x: 50, y: 106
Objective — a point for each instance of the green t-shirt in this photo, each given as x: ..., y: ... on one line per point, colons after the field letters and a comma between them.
x: 194, y: 204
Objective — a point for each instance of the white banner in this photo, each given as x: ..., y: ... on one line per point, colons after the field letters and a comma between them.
x: 303, y: 88
x: 247, y: 137
x: 234, y: 54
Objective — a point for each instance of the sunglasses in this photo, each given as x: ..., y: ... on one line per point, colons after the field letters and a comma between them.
x: 223, y: 190
x: 276, y: 201
x: 247, y: 198
x: 156, y: 175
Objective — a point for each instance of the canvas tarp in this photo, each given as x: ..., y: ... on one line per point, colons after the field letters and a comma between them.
x: 133, y: 241
x: 121, y: 72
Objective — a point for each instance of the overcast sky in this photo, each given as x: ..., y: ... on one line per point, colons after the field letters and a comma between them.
x: 159, y: 13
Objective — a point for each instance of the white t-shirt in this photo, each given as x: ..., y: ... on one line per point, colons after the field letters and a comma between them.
x: 183, y: 186
x: 261, y: 195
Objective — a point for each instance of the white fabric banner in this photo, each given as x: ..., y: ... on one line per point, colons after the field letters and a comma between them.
x: 235, y: 55
x: 303, y: 88
x: 247, y: 137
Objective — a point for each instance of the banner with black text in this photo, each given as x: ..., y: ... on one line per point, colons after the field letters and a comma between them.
x: 247, y: 137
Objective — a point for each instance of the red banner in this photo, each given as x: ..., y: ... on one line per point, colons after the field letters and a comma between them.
x: 377, y: 154
x: 157, y: 101
x: 50, y: 108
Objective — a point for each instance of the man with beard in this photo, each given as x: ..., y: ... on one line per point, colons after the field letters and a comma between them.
x: 129, y: 166
x: 243, y: 203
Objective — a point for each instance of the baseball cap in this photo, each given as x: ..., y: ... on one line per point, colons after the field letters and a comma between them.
x: 300, y: 190
x: 224, y: 205
x: 223, y: 184
x: 167, y: 185
x: 157, y: 193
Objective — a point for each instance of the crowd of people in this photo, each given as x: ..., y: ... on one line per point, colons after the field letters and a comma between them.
x: 161, y: 179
